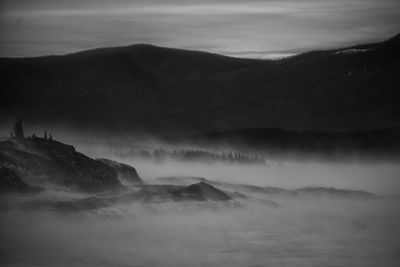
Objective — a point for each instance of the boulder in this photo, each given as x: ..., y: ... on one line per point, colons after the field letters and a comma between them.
x: 125, y: 172
x: 201, y: 192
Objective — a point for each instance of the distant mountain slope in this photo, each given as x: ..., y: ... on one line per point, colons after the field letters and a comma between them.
x: 143, y: 88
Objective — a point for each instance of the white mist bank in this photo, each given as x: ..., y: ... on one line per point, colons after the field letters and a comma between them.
x: 379, y: 177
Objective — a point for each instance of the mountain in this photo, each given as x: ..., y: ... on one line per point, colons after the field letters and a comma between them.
x: 148, y: 89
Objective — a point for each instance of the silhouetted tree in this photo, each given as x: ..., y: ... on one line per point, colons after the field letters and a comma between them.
x: 18, y: 129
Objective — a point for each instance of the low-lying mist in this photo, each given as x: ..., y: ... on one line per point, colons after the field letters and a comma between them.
x: 256, y: 230
x: 298, y: 233
x: 381, y: 178
x: 376, y: 176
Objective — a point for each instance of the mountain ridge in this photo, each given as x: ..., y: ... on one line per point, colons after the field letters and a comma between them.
x: 148, y: 89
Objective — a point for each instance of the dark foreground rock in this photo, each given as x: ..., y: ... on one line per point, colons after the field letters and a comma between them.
x: 42, y: 161
x: 12, y: 183
x: 124, y: 172
x: 195, y: 192
x: 201, y: 192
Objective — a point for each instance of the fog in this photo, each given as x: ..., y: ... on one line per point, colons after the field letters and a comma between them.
x: 374, y: 174
x: 299, y: 233
x: 381, y: 178
x: 257, y: 230
x: 239, y: 28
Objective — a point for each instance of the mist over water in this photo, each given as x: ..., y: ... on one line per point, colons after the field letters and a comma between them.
x: 298, y: 231
x: 373, y: 175
x: 381, y: 178
x: 227, y: 133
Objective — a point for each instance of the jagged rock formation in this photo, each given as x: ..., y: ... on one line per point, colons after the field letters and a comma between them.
x: 201, y: 192
x: 40, y: 161
x: 125, y: 172
x: 183, y: 180
x: 12, y: 183
x: 161, y: 193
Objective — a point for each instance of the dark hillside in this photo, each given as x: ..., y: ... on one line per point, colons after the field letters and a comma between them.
x: 143, y: 88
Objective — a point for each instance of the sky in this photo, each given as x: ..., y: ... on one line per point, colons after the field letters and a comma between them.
x: 241, y: 28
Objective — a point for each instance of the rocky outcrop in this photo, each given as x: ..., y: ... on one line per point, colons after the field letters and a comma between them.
x: 12, y: 183
x: 334, y: 193
x: 201, y: 192
x: 195, y: 192
x: 125, y: 172
x: 42, y: 161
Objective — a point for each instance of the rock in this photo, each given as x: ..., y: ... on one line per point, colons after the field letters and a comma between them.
x: 10, y: 182
x: 201, y: 192
x: 125, y: 172
x: 167, y: 193
x: 182, y: 180
x: 333, y: 192
x: 42, y: 161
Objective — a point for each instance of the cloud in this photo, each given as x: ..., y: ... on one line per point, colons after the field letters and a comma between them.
x: 40, y: 27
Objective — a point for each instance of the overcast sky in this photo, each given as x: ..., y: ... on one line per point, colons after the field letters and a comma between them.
x: 251, y: 28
